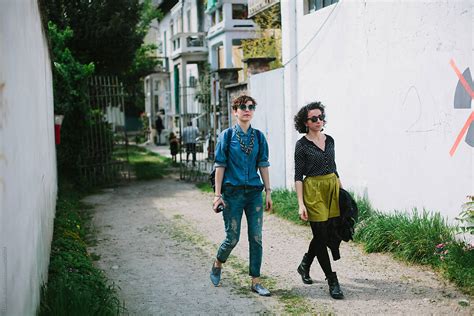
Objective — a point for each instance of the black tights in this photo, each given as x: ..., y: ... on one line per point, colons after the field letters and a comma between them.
x: 317, y: 247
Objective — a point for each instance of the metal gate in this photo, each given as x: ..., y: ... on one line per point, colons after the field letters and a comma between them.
x: 105, y: 158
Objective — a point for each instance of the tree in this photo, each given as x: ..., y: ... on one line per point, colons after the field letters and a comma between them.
x: 70, y: 99
x: 105, y: 31
x: 110, y: 34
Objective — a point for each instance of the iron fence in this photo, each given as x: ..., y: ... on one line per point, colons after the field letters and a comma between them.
x: 105, y: 133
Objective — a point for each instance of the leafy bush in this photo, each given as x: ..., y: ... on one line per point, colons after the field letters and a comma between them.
x: 70, y: 99
x: 467, y: 216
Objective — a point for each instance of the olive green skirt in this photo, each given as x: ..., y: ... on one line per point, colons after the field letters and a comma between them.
x: 321, y: 197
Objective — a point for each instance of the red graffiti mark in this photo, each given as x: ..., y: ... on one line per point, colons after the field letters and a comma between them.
x: 461, y: 134
x: 461, y: 78
x: 470, y: 119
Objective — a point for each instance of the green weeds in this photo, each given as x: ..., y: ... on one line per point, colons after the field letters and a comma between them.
x: 285, y: 205
x: 75, y: 286
x: 145, y: 165
x: 416, y: 237
x: 205, y: 187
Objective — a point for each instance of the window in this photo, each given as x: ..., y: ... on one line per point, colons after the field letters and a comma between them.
x: 314, y: 5
x: 192, y: 82
x: 213, y: 18
x: 164, y: 44
x: 239, y: 11
x: 188, y: 20
x: 220, y: 15
x: 156, y: 104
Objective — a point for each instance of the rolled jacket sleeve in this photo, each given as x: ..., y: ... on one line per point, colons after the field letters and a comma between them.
x: 221, y: 149
x: 263, y: 159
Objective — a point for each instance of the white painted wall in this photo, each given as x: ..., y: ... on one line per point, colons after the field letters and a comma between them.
x: 267, y: 89
x: 28, y: 184
x: 382, y: 69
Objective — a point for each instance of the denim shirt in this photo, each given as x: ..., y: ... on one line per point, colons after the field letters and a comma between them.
x: 240, y: 168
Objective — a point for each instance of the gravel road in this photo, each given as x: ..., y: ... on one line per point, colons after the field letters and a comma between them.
x: 157, y: 239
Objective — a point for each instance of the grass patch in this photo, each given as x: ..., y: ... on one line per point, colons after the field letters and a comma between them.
x: 75, y: 286
x: 416, y: 237
x: 205, y: 187
x: 145, y: 164
x: 285, y: 205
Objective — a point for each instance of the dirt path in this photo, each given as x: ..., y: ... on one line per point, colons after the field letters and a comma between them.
x: 157, y: 240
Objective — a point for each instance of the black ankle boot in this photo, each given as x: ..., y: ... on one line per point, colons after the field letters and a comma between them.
x: 303, y: 269
x: 334, y: 288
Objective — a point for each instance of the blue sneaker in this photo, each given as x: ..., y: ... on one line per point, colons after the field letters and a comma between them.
x: 258, y: 288
x: 215, y: 275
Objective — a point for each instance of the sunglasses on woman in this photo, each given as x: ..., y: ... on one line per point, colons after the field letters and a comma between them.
x: 250, y: 107
x: 314, y: 119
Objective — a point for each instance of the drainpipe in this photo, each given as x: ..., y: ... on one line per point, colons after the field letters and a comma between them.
x: 290, y: 75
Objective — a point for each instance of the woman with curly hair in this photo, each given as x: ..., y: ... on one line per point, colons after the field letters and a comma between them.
x: 241, y: 151
x: 317, y: 187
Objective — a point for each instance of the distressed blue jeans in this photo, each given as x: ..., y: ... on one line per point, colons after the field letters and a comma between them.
x: 237, y: 201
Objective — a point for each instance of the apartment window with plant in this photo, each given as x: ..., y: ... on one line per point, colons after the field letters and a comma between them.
x: 314, y: 5
x: 239, y: 11
x: 220, y: 15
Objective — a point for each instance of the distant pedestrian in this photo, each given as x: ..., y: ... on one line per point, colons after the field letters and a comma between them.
x: 190, y: 134
x: 317, y: 186
x: 174, y: 146
x: 159, y: 128
x: 241, y: 151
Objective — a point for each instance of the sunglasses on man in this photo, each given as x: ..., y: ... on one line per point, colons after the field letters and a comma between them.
x: 250, y: 107
x: 314, y: 119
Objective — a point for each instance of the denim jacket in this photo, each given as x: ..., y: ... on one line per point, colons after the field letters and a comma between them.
x: 240, y: 168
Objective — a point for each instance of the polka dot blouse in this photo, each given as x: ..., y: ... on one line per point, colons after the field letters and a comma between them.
x: 310, y: 160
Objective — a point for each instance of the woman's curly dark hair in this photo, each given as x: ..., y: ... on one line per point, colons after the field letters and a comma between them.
x: 243, y: 99
x: 302, y: 115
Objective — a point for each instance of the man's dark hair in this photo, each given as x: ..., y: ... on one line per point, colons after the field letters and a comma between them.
x: 243, y: 99
x: 302, y: 115
x: 190, y: 123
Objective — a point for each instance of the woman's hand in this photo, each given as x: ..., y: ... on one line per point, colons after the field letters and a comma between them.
x: 217, y: 201
x: 268, y: 201
x: 303, y: 213
x: 340, y: 183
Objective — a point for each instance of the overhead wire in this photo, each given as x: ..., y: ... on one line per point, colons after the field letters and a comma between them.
x: 313, y: 37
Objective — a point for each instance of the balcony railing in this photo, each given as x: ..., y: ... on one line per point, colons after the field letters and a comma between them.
x: 188, y: 43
